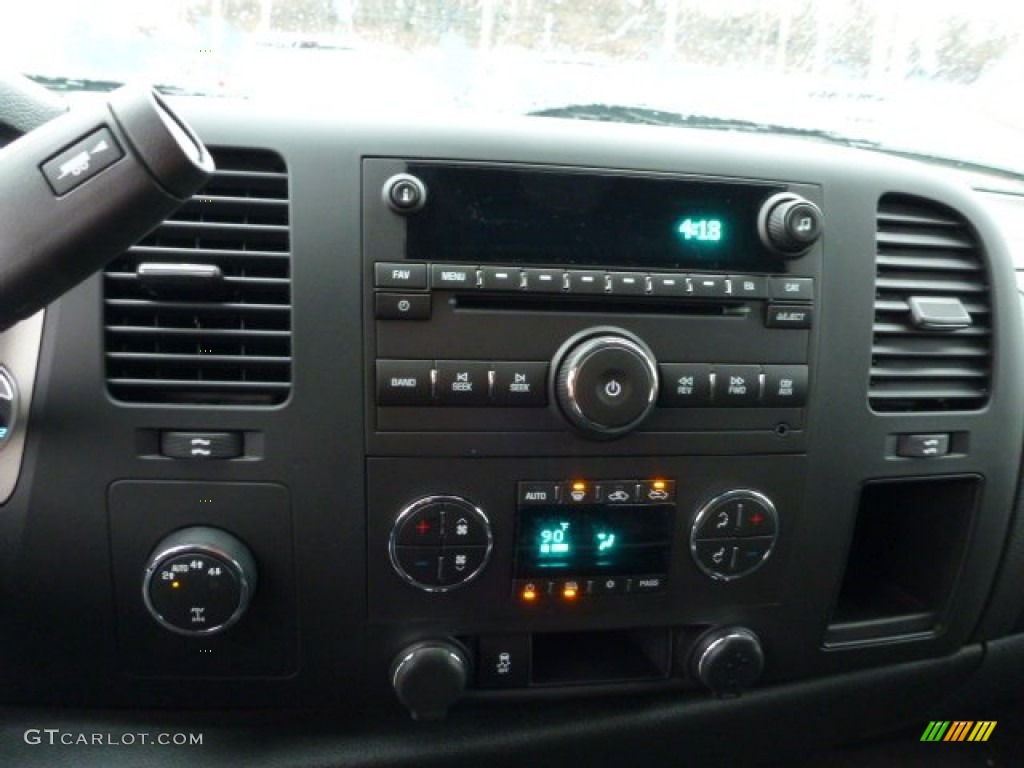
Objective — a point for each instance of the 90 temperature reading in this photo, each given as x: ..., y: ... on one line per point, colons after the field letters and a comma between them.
x: 701, y: 230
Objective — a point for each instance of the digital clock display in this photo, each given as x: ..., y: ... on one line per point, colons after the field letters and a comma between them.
x: 702, y: 230
x: 592, y: 540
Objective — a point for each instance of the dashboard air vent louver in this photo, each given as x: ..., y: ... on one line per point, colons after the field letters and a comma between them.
x: 928, y: 256
x: 200, y: 310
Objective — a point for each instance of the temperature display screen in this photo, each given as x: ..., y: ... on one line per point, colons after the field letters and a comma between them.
x: 593, y: 540
x: 482, y: 215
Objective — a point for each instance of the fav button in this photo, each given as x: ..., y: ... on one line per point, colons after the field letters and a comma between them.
x: 399, y: 275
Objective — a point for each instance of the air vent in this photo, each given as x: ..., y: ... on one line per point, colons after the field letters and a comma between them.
x: 928, y: 255
x: 207, y: 320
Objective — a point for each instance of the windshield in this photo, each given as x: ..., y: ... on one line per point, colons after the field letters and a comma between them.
x: 935, y: 78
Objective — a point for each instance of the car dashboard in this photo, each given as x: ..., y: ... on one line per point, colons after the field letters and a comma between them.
x: 569, y: 440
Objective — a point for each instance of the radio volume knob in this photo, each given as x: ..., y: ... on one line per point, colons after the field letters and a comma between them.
x: 789, y: 224
x: 607, y: 382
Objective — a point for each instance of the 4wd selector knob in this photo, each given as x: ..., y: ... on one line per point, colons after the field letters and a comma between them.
x: 199, y: 581
x: 607, y: 382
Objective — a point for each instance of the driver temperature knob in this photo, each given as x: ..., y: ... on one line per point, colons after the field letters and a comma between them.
x: 606, y: 383
x: 199, y: 581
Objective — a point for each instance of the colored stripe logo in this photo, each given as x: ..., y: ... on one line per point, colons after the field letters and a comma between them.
x: 958, y: 730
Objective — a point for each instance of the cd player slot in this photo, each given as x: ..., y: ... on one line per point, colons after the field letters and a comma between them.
x: 632, y: 305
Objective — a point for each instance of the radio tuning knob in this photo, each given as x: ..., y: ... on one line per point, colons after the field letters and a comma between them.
x: 606, y: 382
x: 789, y: 224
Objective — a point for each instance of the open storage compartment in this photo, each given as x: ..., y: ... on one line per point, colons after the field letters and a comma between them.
x: 581, y: 658
x: 905, y: 558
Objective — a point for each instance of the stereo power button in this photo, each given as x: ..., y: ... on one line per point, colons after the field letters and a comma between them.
x: 607, y: 382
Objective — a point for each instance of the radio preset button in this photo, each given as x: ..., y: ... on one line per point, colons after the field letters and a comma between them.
x: 785, y: 385
x: 404, y: 382
x: 453, y: 277
x: 669, y: 285
x: 402, y: 306
x: 500, y: 279
x: 400, y: 275
x: 737, y: 384
x: 544, y: 280
x: 628, y: 283
x: 708, y: 286
x: 462, y: 382
x: 520, y: 384
x: 685, y: 385
x: 586, y: 282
